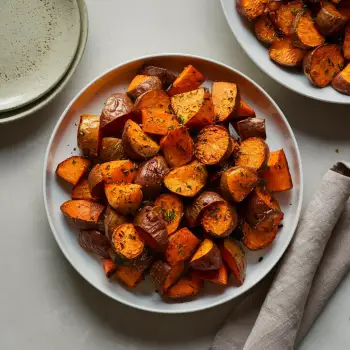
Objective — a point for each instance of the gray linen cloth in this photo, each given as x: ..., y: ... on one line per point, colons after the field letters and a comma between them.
x: 278, y: 312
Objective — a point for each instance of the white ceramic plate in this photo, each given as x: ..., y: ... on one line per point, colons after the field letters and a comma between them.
x: 30, y: 108
x: 38, y: 41
x: 62, y: 144
x: 258, y: 53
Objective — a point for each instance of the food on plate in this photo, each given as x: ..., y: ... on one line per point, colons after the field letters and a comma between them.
x: 213, y: 145
x: 346, y: 42
x: 341, y: 81
x: 251, y: 9
x: 152, y: 228
x: 283, y: 52
x: 273, y: 5
x: 137, y: 144
x: 322, y: 64
x: 73, y: 169
x: 329, y: 20
x: 89, y: 135
x: 277, y: 175
x: 265, y: 30
x: 286, y: 14
x: 172, y: 210
x: 177, y: 146
x: 225, y: 98
x: 186, y: 180
x: 167, y: 187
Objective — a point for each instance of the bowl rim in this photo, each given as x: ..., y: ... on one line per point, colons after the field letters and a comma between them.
x: 227, y: 298
x: 279, y: 81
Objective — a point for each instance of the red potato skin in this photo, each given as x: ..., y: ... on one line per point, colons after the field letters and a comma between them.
x: 89, y: 135
x: 94, y: 242
x: 96, y: 184
x: 211, y: 261
x: 166, y: 77
x: 251, y: 127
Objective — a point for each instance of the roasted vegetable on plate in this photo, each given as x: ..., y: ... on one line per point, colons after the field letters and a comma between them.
x: 162, y: 187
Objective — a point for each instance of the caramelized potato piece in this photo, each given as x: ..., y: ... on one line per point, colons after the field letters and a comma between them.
x: 112, y: 149
x: 95, y: 182
x: 207, y: 257
x: 264, y: 30
x: 341, y: 81
x: 253, y: 153
x: 346, y: 43
x: 89, y: 135
x: 142, y: 84
x: 81, y: 190
x: 158, y: 122
x: 72, y: 169
x: 251, y: 9
x: 95, y: 242
x: 329, y: 20
x: 129, y: 275
x: 118, y: 171
x: 139, y: 79
x: 187, y: 286
x: 111, y: 221
x: 254, y: 239
x: 109, y: 267
x: 166, y: 77
x: 285, y: 16
x: 251, y: 127
x: 243, y: 111
x: 219, y: 276
x: 153, y: 99
x: 283, y: 52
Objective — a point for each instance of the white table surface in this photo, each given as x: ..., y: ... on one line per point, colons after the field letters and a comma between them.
x: 44, y: 303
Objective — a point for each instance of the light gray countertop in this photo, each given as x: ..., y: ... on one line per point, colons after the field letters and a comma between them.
x: 44, y: 303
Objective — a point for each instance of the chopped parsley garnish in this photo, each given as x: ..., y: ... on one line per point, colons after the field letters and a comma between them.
x: 294, y: 11
x: 189, y: 186
x: 181, y: 120
x: 74, y: 161
x: 337, y: 150
x: 169, y: 215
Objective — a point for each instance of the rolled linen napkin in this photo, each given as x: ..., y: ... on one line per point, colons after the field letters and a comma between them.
x: 306, y: 277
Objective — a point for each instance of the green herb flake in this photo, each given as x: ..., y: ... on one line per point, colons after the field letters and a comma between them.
x: 169, y: 215
x: 74, y: 161
x: 294, y: 11
x: 181, y: 120
x: 178, y: 189
x: 189, y: 186
x: 337, y: 150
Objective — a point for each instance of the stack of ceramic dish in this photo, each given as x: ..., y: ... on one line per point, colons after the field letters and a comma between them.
x: 41, y: 44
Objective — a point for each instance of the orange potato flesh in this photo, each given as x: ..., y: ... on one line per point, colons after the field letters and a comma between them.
x: 153, y: 99
x: 253, y: 153
x: 251, y: 9
x: 306, y: 32
x: 341, y: 82
x: 185, y: 287
x: 243, y: 110
x: 118, y: 171
x: 110, y: 267
x: 81, y: 190
x: 139, y: 79
x: 283, y: 52
x: 219, y: 276
x: 277, y: 175
x: 89, y: 136
x: 73, y: 168
x: 129, y: 275
x: 286, y: 14
x: 264, y: 30
x: 157, y: 121
x: 346, y: 43
x: 189, y: 79
x: 205, y: 247
x: 173, y: 275
x: 258, y: 239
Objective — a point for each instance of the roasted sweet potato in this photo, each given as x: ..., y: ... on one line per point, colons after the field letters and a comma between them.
x: 143, y: 262
x: 126, y: 242
x: 264, y: 30
x: 194, y: 109
x: 341, y: 81
x: 344, y: 8
x: 95, y: 242
x: 157, y: 121
x: 261, y: 211
x: 329, y: 20
x: 213, y: 145
x: 219, y: 276
x: 73, y: 169
x: 234, y: 256
x: 83, y: 214
x: 277, y: 175
x: 110, y: 267
x: 89, y: 135
x: 117, y: 110
x: 177, y: 147
x: 273, y: 5
x: 129, y: 275
x: 237, y: 182
x: 253, y: 153
x: 172, y: 210
x: 95, y: 182
x: 118, y: 171
x: 225, y: 98
x: 219, y: 220
x: 346, y: 42
x: 189, y: 79
x: 164, y: 276
x: 251, y: 127
x: 150, y: 176
x: 152, y: 228
x: 304, y: 32
x: 251, y: 9
x: 254, y: 239
x: 136, y: 143
x: 187, y: 180
x: 111, y: 221
x: 286, y: 14
x: 207, y: 256
x: 187, y: 286
x: 143, y: 84
x: 166, y: 77
x: 112, y: 149
x: 81, y: 190
x: 322, y: 64
x: 153, y: 99
x: 124, y: 198
x: 243, y: 111
x: 283, y: 52
x: 181, y: 246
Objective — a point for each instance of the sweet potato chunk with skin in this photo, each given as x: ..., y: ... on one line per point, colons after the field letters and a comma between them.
x: 329, y: 20
x: 322, y: 64
x: 129, y: 275
x: 219, y: 276
x: 118, y: 171
x: 304, y: 32
x: 213, y: 145
x: 137, y: 81
x: 341, y: 81
x: 286, y: 14
x: 81, y: 190
x: 207, y: 257
x: 243, y: 111
x: 181, y: 246
x: 112, y: 220
x: 273, y: 5
x: 254, y: 239
x: 177, y: 147
x: 283, y: 52
x: 89, y: 135
x: 253, y: 153
x: 237, y: 182
x: 194, y: 109
x: 82, y: 213
x: 251, y: 9
x: 225, y: 98
x: 157, y: 121
x: 136, y: 143
x: 112, y: 149
x: 165, y: 76
x: 219, y: 220
x: 126, y: 199
x: 346, y: 43
x: 144, y: 85
x: 172, y: 210
x: 126, y: 242
x: 189, y: 79
x: 277, y: 175
x: 186, y: 287
x: 187, y: 180
x: 95, y: 242
x: 153, y: 99
x: 110, y: 267
x: 73, y: 169
x: 251, y: 127
x: 264, y: 30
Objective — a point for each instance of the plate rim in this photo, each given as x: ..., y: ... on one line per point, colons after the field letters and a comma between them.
x: 223, y: 300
